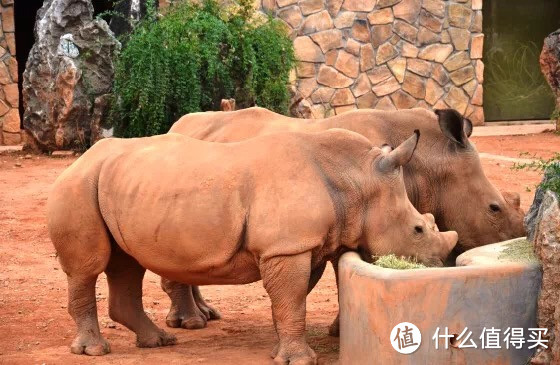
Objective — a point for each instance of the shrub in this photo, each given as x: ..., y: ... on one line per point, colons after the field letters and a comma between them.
x: 194, y: 56
x: 550, y: 167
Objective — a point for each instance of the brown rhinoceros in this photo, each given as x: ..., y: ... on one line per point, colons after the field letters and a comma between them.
x: 444, y: 177
x: 275, y: 208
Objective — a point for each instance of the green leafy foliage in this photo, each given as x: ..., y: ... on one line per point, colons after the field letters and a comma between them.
x: 551, y: 167
x: 194, y: 56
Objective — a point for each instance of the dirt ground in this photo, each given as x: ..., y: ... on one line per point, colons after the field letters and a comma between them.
x: 35, y: 327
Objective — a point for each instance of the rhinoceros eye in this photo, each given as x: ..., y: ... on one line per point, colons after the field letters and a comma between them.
x: 418, y: 229
x: 495, y: 208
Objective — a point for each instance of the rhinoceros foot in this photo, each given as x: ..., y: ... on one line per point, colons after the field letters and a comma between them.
x: 210, y: 312
x: 89, y: 345
x: 293, y: 353
x: 156, y: 339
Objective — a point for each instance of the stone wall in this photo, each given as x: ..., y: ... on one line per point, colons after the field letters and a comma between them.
x: 9, y: 92
x: 386, y: 54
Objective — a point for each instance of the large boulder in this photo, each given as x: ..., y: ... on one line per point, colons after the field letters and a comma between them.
x: 550, y: 65
x: 547, y: 248
x: 68, y: 75
x: 531, y: 219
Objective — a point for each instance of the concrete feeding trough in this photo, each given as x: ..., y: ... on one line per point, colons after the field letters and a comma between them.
x: 491, y: 286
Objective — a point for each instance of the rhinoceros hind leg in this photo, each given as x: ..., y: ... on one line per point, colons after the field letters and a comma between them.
x: 184, y: 311
x: 124, y: 275
x: 83, y: 309
x: 210, y: 312
x: 334, y: 328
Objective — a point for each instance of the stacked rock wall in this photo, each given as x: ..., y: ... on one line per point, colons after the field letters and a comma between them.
x: 386, y: 54
x: 10, y: 132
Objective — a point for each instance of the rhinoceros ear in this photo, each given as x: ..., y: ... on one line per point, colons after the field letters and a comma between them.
x: 467, y: 126
x: 400, y: 155
x: 452, y: 124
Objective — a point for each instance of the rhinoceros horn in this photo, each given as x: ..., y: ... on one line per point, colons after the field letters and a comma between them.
x: 400, y: 155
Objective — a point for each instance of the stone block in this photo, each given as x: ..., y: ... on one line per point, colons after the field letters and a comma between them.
x: 359, y: 5
x: 420, y: 67
x: 360, y: 31
x: 306, y: 50
x: 462, y: 75
x: 407, y: 10
x: 402, y: 100
x: 398, y: 68
x: 328, y: 39
x: 414, y: 85
x: 379, y: 74
x: 381, y: 34
x: 342, y: 97
x: 405, y: 31
x: 456, y: 61
x: 386, y: 87
x: 367, y: 101
x: 361, y: 86
x: 382, y: 16
x: 436, y: 52
x: 348, y: 64
x: 367, y: 57
x: 386, y: 52
x: 317, y: 22
x: 460, y: 38
x: 330, y: 77
x: 477, y: 43
x: 457, y: 99
x: 459, y: 16
x: 344, y: 19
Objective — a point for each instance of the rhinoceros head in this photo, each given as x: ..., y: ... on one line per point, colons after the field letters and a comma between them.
x: 392, y: 224
x: 469, y: 203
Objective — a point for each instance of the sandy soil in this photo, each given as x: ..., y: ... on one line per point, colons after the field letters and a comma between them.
x: 36, y: 328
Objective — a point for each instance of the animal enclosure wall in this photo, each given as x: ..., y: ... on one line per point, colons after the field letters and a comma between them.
x: 10, y: 132
x: 386, y: 54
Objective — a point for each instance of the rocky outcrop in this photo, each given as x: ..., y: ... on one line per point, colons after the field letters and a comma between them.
x: 531, y: 219
x: 550, y: 66
x: 68, y: 75
x: 547, y: 249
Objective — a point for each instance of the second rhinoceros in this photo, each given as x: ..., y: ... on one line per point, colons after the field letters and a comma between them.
x: 275, y: 208
x: 444, y: 177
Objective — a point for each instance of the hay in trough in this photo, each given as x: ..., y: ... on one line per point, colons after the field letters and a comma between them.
x: 518, y: 250
x: 397, y: 263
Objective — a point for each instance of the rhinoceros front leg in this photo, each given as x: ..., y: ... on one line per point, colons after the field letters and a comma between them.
x: 286, y: 280
x: 124, y: 276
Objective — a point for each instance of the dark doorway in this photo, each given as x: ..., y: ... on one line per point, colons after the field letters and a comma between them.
x: 25, y: 13
x: 514, y: 31
x: 24, y: 18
